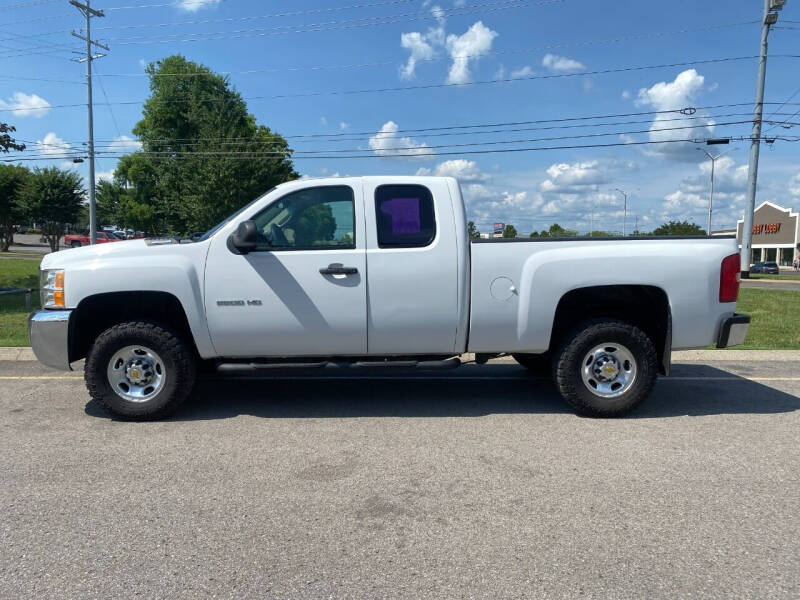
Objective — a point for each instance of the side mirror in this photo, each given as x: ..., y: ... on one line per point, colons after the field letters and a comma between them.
x: 244, y: 239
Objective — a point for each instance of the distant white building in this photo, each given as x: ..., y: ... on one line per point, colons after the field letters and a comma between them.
x: 776, y: 234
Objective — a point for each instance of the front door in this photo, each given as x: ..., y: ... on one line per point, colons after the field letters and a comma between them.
x: 302, y: 292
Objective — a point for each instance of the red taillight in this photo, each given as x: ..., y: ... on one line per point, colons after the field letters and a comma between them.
x: 729, y: 276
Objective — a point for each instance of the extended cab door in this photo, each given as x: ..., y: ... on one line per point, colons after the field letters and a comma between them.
x: 412, y: 267
x: 302, y: 292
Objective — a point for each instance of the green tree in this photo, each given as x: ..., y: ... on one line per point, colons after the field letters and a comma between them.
x: 599, y: 233
x: 12, y: 182
x: 679, y: 228
x: 558, y: 231
x: 6, y: 141
x: 108, y: 197
x: 53, y: 198
x: 203, y: 156
x: 472, y: 231
x: 510, y: 231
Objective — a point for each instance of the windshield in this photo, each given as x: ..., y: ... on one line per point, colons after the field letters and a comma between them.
x: 222, y: 224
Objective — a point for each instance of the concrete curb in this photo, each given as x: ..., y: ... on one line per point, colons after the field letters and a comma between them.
x: 26, y: 354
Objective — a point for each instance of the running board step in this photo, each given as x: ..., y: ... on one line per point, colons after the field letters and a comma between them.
x: 424, y: 365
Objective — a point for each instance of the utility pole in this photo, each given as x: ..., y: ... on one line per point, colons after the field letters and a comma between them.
x: 713, y: 160
x: 90, y: 12
x: 625, y: 212
x: 770, y: 18
x: 636, y: 226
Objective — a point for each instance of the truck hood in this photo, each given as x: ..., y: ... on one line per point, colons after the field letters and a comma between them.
x: 102, y: 253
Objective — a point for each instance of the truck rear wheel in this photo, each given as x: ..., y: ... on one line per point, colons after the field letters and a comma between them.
x: 606, y: 368
x: 139, y: 371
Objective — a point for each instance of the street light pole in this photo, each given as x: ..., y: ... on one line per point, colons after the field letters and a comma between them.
x: 624, y: 212
x: 713, y: 160
x: 770, y: 18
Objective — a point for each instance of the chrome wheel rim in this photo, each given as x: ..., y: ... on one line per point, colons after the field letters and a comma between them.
x: 136, y: 373
x: 608, y: 370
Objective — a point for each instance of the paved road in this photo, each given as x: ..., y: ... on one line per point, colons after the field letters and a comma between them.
x: 779, y: 284
x: 407, y: 487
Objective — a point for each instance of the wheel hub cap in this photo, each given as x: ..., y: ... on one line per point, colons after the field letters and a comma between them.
x: 609, y: 370
x: 136, y: 373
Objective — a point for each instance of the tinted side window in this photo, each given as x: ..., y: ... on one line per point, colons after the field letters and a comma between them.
x: 404, y: 215
x: 311, y: 219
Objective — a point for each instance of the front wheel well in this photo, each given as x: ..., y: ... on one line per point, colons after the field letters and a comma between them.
x: 94, y: 314
x: 646, y: 307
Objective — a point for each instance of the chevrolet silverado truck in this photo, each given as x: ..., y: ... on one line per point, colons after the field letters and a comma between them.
x: 379, y: 272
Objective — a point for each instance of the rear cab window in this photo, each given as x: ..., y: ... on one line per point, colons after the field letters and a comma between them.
x: 405, y: 216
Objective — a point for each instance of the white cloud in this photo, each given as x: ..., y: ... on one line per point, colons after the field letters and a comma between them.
x: 343, y: 126
x: 690, y: 200
x: 423, y: 46
x: 142, y: 63
x: 525, y: 71
x: 626, y: 95
x: 466, y: 171
x: 323, y: 121
x: 566, y: 177
x: 388, y: 143
x: 123, y: 143
x: 466, y: 48
x: 794, y: 186
x: 26, y: 105
x: 672, y: 96
x: 194, y: 5
x: 420, y: 47
x: 562, y: 64
x: 103, y: 176
x: 52, y: 145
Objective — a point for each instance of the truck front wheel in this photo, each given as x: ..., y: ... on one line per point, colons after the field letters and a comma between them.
x: 606, y: 368
x: 139, y: 371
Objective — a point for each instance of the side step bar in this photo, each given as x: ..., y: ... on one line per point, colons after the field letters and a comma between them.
x: 424, y: 365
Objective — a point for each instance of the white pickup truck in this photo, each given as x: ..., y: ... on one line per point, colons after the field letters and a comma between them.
x: 366, y: 272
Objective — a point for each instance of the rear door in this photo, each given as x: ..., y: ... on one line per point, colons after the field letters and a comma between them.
x: 412, y: 267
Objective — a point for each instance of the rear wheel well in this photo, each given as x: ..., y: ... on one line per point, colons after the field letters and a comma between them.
x: 97, y: 313
x: 646, y: 307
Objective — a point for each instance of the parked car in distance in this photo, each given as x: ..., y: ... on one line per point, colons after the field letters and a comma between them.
x: 379, y: 273
x: 76, y: 241
x: 120, y: 235
x: 770, y: 268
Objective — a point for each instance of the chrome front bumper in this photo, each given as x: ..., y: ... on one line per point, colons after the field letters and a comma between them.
x: 733, y: 330
x: 48, y: 331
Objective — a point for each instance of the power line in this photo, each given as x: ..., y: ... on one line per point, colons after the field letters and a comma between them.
x: 412, y: 149
x: 686, y: 112
x: 390, y: 62
x: 26, y: 4
x: 244, y: 156
x: 380, y: 135
x: 294, y: 13
x: 440, y: 85
x: 361, y: 22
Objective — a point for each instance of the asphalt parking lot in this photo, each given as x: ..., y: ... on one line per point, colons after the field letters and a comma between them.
x: 476, y: 483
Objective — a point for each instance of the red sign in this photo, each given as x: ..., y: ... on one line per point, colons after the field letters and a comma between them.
x: 766, y: 229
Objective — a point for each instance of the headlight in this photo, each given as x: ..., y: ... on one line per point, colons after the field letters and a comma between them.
x: 51, y: 288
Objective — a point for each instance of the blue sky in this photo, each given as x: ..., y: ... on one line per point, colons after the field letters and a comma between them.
x: 349, y: 45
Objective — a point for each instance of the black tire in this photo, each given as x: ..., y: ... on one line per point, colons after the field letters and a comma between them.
x: 178, y: 362
x: 538, y: 364
x: 75, y: 244
x: 574, y: 349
